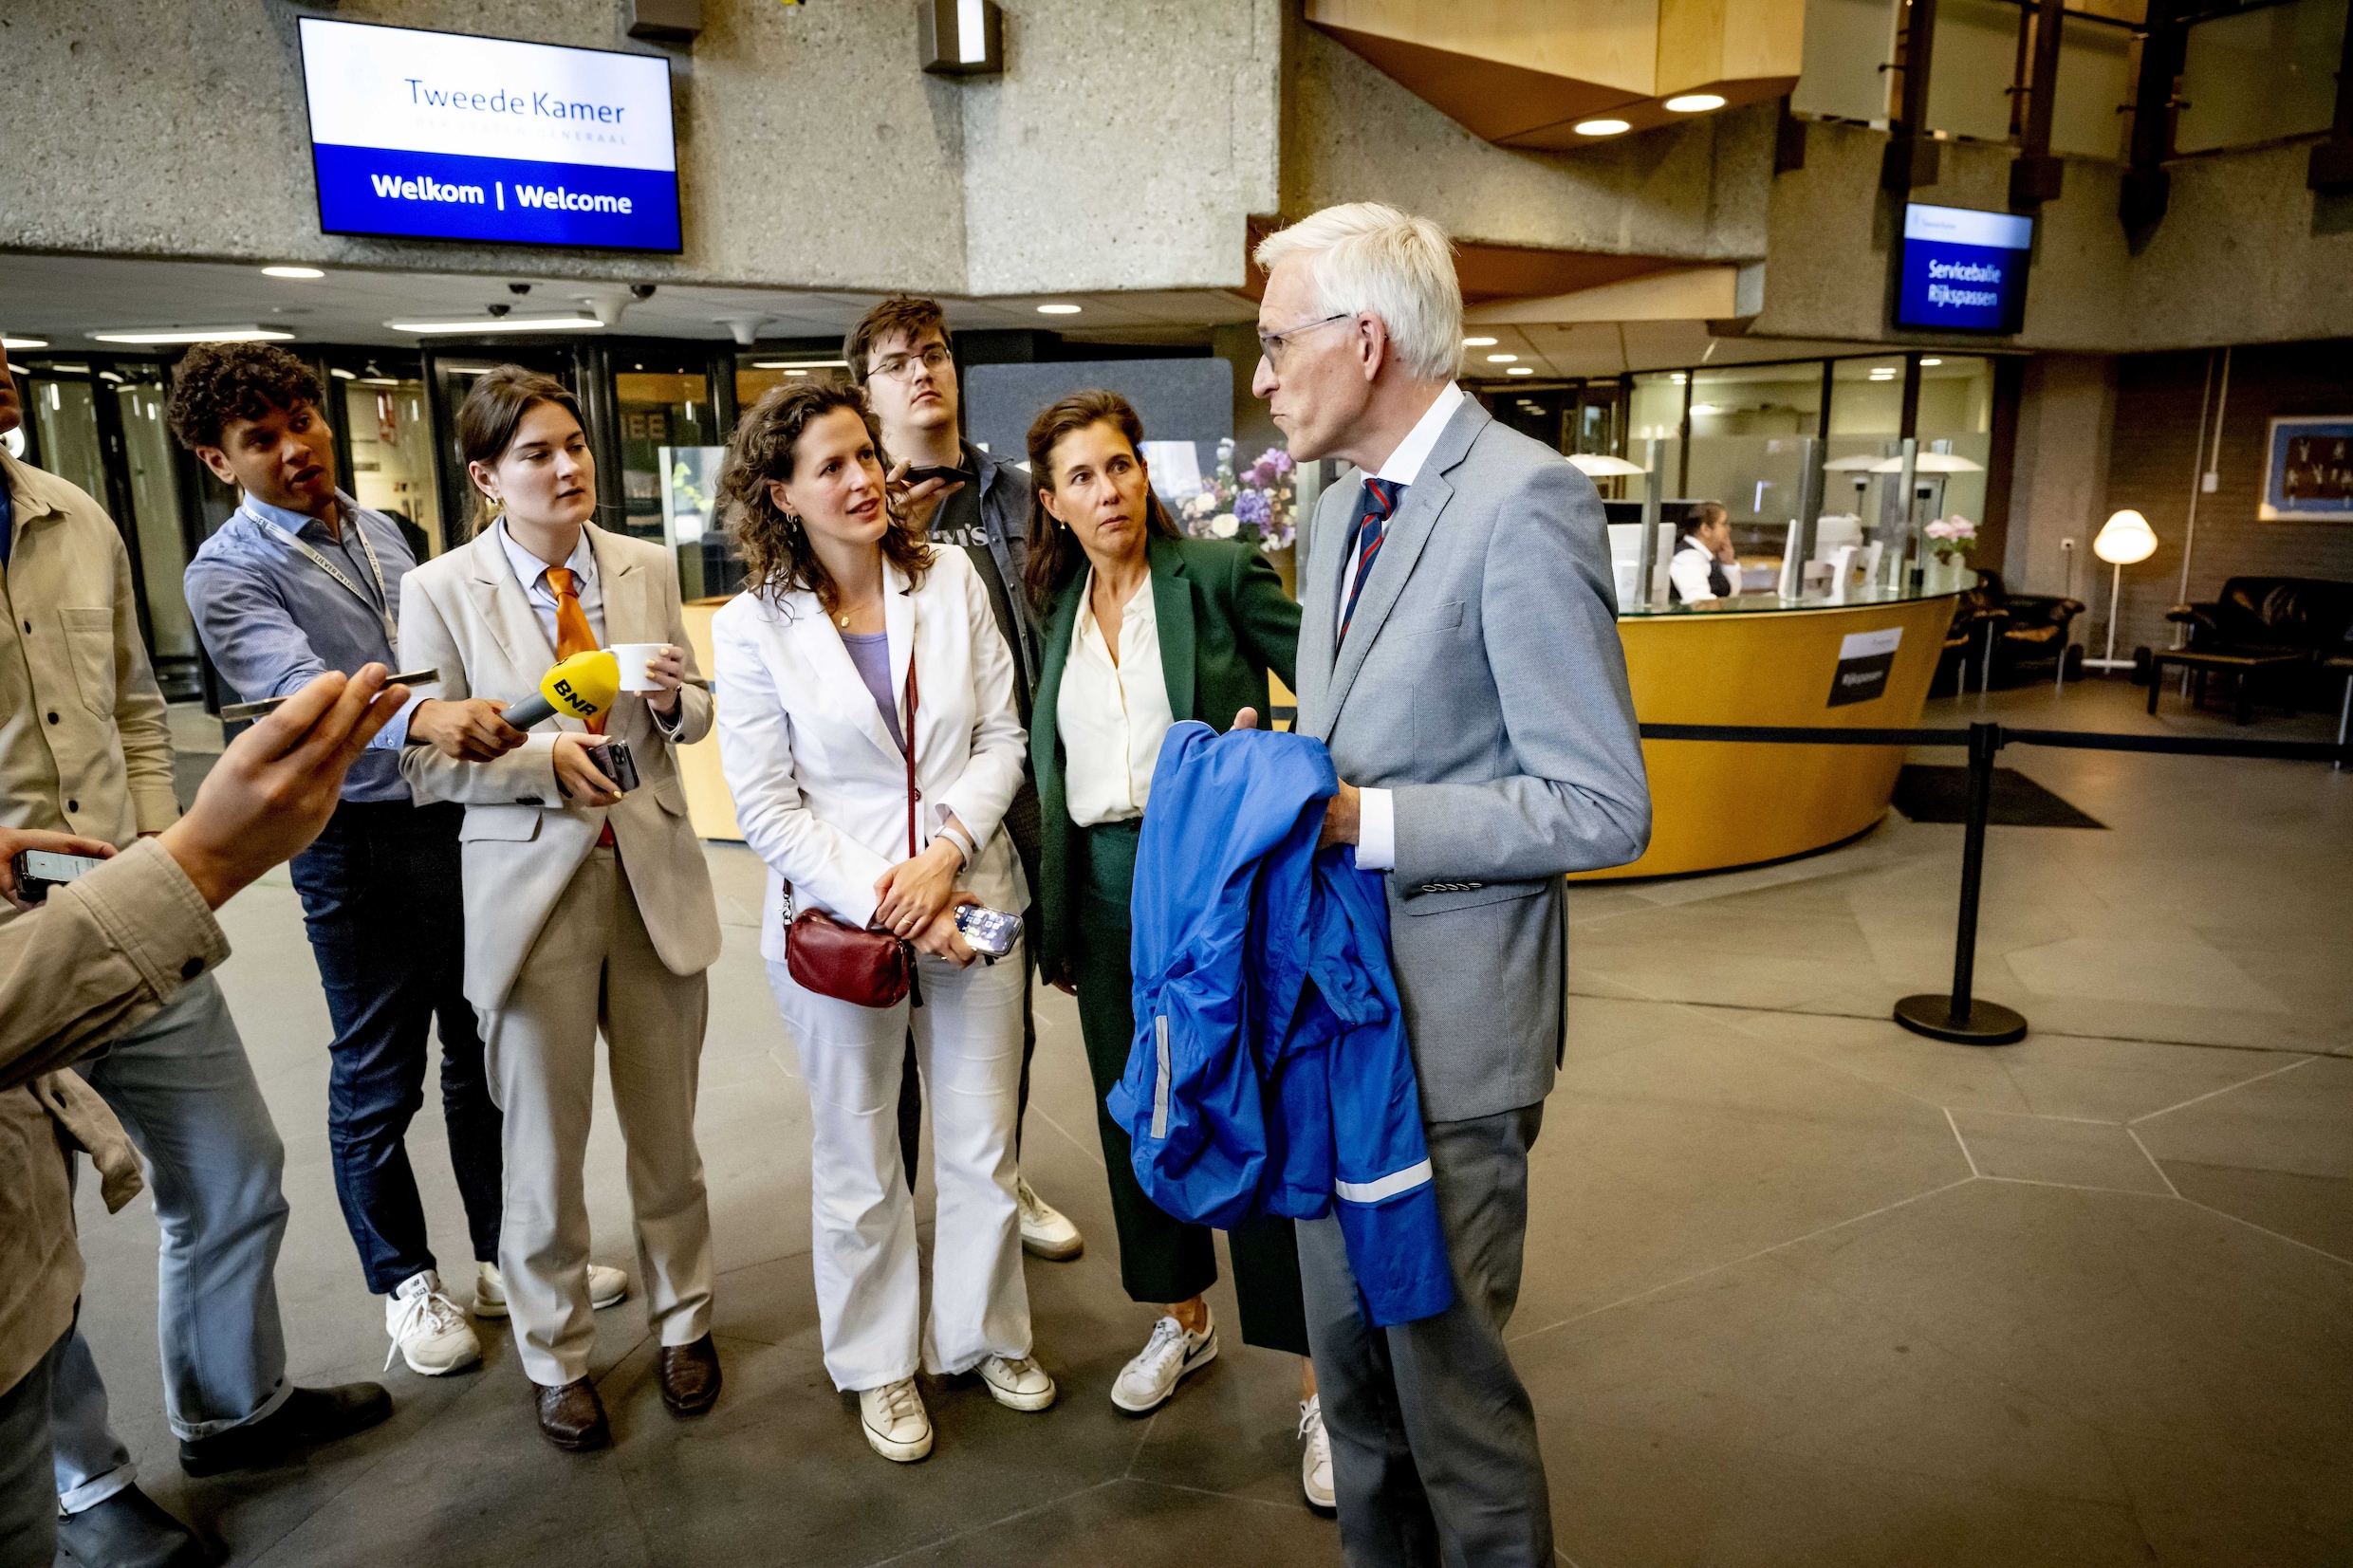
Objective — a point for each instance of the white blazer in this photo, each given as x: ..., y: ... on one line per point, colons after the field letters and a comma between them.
x: 820, y: 789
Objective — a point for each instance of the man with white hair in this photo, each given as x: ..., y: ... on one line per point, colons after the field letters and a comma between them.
x: 1459, y: 656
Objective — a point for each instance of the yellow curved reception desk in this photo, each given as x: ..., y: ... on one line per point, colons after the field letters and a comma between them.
x: 1865, y: 664
x: 1755, y: 659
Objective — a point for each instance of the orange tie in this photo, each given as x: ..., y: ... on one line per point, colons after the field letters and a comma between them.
x: 575, y: 636
x: 573, y: 633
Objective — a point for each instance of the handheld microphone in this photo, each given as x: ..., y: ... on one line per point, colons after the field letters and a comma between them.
x: 583, y: 685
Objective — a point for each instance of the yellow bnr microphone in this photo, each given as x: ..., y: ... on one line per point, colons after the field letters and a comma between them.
x: 583, y: 685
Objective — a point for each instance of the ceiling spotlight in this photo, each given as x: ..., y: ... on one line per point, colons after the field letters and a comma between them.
x: 1519, y: 370
x: 1601, y: 127
x: 510, y: 323
x: 1502, y: 359
x: 24, y: 342
x: 1058, y: 310
x: 292, y: 272
x: 1695, y: 104
x: 343, y: 375
x: 1478, y: 343
x: 195, y: 335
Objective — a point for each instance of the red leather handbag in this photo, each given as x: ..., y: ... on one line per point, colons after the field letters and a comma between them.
x: 868, y: 968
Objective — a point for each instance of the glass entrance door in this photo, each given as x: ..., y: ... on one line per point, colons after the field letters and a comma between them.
x: 151, y: 474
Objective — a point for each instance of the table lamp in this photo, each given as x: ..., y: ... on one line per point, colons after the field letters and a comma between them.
x: 2125, y: 540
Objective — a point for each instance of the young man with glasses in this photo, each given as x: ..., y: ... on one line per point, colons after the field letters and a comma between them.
x: 901, y: 356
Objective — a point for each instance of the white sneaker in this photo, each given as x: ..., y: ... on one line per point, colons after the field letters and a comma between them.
x: 1018, y: 1383
x: 1045, y: 1231
x: 607, y: 1288
x: 895, y: 1421
x: 1146, y: 1383
x: 1315, y: 1458
x: 427, y: 1330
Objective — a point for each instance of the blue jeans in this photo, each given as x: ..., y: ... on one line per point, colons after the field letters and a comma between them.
x: 184, y: 1091
x: 380, y: 889
x: 27, y: 1516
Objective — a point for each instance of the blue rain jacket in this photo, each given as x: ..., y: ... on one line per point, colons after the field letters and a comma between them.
x: 1269, y: 1073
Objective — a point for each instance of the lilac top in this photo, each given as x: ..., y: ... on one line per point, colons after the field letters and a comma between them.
x: 871, y: 653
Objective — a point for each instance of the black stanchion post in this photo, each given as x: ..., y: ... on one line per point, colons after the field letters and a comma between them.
x: 1961, y: 1018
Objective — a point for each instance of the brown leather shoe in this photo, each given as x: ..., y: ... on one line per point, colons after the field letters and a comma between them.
x: 689, y: 1376
x: 571, y: 1416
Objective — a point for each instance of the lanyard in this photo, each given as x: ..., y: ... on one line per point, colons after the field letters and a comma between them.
x: 381, y: 603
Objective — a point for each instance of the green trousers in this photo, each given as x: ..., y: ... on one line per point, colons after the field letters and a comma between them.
x: 1162, y: 1259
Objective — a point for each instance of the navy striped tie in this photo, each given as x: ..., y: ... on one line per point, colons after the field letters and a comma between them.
x: 1381, y: 504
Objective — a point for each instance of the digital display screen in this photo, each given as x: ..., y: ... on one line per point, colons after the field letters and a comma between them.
x: 441, y: 136
x: 1963, y: 270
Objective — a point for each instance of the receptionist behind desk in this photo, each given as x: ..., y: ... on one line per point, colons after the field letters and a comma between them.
x: 1703, y: 565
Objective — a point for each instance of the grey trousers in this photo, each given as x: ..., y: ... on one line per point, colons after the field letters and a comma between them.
x: 183, y: 1089
x: 1434, y: 1438
x: 594, y: 969
x: 28, y: 1508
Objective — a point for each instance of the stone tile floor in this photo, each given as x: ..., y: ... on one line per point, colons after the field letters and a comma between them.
x: 1802, y: 1289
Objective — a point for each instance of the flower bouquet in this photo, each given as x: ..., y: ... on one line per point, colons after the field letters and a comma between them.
x: 1951, y: 537
x: 1262, y: 498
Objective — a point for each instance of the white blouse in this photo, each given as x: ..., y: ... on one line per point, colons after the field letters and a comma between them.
x: 1112, y: 716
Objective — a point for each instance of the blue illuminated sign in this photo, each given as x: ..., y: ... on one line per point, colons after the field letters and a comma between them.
x: 440, y: 136
x: 1963, y: 270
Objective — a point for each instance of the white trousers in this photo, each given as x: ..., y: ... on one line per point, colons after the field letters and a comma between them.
x: 869, y: 1287
x: 594, y: 971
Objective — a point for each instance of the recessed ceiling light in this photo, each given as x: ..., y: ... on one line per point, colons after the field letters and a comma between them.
x: 196, y: 335
x: 1519, y: 370
x: 1696, y: 103
x: 291, y: 272
x: 1058, y: 310
x: 800, y: 364
x: 1601, y: 127
x: 1478, y: 343
x: 1502, y: 359
x: 1925, y: 363
x: 24, y: 342
x: 502, y: 323
x: 343, y: 375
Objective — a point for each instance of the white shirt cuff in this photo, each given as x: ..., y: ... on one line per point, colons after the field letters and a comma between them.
x: 1375, y: 831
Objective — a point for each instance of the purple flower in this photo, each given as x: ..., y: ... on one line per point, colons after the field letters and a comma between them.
x: 1253, y: 508
x: 1278, y: 459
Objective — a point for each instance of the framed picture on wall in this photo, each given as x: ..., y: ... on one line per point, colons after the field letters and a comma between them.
x: 2307, y: 470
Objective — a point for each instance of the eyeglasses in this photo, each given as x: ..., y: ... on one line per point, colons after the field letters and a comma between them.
x: 934, y: 359
x: 1272, y: 344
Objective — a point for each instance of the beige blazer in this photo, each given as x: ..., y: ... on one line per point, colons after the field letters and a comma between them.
x: 465, y: 615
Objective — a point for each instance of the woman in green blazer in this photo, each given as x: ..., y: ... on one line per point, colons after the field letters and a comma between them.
x: 1143, y: 628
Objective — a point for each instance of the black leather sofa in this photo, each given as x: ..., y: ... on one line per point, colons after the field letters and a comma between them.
x: 2029, y: 633
x: 2310, y: 615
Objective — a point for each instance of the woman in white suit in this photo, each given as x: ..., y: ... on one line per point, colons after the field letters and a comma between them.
x: 843, y: 603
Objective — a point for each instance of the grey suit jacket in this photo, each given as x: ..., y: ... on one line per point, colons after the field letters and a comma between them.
x: 465, y: 615
x: 1483, y: 683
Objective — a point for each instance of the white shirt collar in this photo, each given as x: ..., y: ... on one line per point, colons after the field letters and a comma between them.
x: 528, y: 570
x: 1404, y: 464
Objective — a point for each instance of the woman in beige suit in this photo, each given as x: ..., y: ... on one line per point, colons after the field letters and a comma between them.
x: 586, y: 909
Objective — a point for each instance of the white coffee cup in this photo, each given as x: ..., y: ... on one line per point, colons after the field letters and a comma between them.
x: 633, y: 657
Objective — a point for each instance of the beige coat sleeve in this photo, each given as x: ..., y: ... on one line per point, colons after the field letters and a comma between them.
x: 104, y: 952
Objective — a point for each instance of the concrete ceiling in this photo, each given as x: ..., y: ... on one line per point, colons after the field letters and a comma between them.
x: 65, y: 298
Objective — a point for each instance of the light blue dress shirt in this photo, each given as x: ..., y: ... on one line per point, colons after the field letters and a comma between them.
x: 272, y: 620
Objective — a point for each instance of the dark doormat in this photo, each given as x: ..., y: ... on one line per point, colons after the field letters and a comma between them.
x: 1941, y: 795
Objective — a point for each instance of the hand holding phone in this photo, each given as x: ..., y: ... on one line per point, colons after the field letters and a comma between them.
x: 33, y: 862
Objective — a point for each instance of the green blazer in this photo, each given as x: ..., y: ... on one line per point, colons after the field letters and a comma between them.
x: 1224, y: 622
